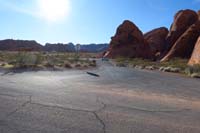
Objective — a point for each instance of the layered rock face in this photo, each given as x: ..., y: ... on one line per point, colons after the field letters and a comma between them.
x: 185, y: 44
x: 156, y: 40
x: 128, y: 42
x: 195, y: 58
x: 182, y: 21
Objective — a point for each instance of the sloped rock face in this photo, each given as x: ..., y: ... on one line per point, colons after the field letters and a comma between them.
x: 195, y: 58
x: 156, y: 40
x: 185, y: 44
x: 128, y: 42
x: 182, y: 21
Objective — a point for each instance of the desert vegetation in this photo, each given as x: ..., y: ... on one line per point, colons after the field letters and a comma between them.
x: 176, y: 65
x: 44, y: 60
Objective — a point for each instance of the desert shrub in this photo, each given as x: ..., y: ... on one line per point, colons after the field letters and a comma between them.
x: 39, y: 59
x: 134, y: 62
x: 67, y: 65
x: 78, y: 65
x: 3, y: 64
x: 93, y: 63
x: 50, y: 61
x: 47, y: 64
x: 76, y: 58
x: 176, y: 63
x: 192, y: 69
x: 24, y: 59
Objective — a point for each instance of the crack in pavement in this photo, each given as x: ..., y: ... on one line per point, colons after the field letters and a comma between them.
x: 151, y: 110
x: 23, y: 105
x: 60, y: 107
x: 9, y: 95
x: 77, y: 110
x: 102, y: 103
x: 101, y: 121
x: 94, y: 112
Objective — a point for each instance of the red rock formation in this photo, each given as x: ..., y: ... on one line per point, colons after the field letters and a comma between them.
x: 156, y: 40
x: 195, y: 58
x: 185, y: 44
x: 128, y: 42
x: 182, y: 21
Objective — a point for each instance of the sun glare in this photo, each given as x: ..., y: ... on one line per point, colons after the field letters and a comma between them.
x: 53, y: 10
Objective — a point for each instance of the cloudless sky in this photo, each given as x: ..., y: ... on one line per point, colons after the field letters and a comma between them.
x: 86, y: 21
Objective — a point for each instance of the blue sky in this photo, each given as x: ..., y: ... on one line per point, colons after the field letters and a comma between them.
x: 84, y: 21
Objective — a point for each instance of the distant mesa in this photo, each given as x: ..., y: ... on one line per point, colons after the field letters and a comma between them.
x: 59, y: 47
x: 70, y: 47
x: 17, y: 45
x: 26, y: 45
x: 159, y: 44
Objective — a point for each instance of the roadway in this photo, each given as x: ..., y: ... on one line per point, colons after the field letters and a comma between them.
x: 120, y: 100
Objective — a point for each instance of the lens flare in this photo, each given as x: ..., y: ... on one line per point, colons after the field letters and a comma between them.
x: 53, y: 10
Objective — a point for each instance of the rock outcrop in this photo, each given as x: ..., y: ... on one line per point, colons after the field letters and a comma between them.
x: 160, y: 43
x: 128, y: 42
x: 185, y: 44
x: 156, y: 40
x: 182, y: 21
x: 195, y: 58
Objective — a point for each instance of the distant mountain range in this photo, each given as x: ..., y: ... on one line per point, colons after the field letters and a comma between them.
x: 31, y: 45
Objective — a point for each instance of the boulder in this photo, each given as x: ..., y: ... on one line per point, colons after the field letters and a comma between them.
x: 182, y: 21
x: 185, y: 44
x: 156, y: 40
x: 128, y: 42
x: 195, y: 58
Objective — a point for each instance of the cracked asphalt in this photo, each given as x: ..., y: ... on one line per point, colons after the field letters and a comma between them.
x: 120, y: 100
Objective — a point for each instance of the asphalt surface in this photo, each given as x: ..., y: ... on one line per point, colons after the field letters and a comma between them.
x: 118, y: 100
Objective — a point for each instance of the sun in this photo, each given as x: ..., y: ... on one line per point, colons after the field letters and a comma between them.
x: 53, y: 10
